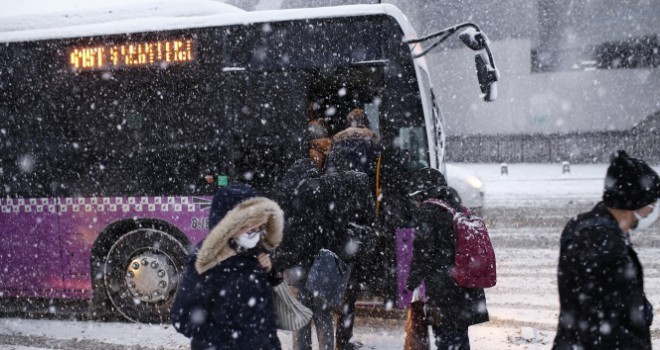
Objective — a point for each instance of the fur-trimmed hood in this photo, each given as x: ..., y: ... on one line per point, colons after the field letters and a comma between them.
x: 356, y: 133
x: 252, y: 211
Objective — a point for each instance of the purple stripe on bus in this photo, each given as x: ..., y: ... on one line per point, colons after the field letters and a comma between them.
x: 47, y: 252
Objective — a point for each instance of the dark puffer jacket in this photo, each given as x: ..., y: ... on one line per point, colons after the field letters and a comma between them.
x: 229, y: 307
x: 434, y: 253
x: 601, y: 287
x: 224, y: 301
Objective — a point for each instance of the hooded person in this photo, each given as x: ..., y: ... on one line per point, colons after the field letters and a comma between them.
x: 600, y: 278
x: 451, y: 309
x: 224, y: 299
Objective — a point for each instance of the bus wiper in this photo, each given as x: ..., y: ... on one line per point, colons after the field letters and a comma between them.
x: 371, y: 62
x: 475, y: 39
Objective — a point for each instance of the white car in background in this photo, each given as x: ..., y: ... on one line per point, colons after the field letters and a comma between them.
x: 468, y: 185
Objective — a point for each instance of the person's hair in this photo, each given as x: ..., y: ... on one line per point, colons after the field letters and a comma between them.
x: 357, y: 118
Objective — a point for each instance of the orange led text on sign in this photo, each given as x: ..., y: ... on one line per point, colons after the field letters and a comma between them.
x: 132, y: 54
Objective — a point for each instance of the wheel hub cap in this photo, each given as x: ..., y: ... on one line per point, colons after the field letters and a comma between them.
x: 149, y: 277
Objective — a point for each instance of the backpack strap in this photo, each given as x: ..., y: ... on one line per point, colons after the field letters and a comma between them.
x: 441, y: 204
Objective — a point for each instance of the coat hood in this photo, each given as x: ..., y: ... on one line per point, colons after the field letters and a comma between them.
x: 252, y: 211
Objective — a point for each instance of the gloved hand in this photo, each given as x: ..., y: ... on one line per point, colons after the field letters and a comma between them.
x: 648, y: 312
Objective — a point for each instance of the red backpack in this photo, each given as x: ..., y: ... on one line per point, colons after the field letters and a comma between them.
x: 475, y: 257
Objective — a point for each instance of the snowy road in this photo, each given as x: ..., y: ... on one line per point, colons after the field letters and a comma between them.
x: 523, y: 308
x: 525, y: 223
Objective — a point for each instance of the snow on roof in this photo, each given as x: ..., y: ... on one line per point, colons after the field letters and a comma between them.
x: 65, y: 13
x: 95, y: 18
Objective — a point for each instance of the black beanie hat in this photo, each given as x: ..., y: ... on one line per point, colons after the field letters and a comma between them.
x: 630, y: 183
x: 425, y: 181
x: 226, y: 199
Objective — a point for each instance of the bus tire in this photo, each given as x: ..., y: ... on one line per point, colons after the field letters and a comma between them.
x: 141, y: 271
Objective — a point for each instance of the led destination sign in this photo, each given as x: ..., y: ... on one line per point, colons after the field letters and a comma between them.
x: 136, y: 54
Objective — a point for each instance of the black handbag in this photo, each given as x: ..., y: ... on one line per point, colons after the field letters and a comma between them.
x: 328, y: 277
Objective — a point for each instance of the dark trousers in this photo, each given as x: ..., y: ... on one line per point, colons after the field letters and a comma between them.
x: 322, y: 317
x: 346, y: 317
x: 451, y: 338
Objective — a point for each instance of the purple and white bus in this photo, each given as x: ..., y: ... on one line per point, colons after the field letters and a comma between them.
x: 110, y: 131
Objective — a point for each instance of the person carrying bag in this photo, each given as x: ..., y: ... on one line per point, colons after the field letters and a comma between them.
x: 224, y: 300
x: 451, y: 308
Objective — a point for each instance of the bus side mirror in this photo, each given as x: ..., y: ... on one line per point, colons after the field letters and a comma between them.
x: 487, y: 76
x: 476, y: 40
x: 472, y: 39
x: 486, y: 72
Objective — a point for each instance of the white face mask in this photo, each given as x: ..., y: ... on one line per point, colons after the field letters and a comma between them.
x: 648, y: 220
x: 250, y: 239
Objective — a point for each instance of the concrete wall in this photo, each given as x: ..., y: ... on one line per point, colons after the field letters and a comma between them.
x: 559, y: 102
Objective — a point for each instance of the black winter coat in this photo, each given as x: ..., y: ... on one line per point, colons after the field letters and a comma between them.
x: 297, y: 195
x: 434, y: 252
x: 231, y: 306
x: 601, y: 287
x: 350, y: 205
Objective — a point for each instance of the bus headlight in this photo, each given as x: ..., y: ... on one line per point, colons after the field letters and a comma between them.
x: 475, y: 182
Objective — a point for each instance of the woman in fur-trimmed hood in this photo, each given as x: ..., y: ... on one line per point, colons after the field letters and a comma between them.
x: 224, y: 299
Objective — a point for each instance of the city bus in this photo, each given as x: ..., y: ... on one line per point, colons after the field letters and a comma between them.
x: 115, y: 135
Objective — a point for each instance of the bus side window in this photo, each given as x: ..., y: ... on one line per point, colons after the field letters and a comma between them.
x: 412, y: 145
x: 26, y: 174
x: 373, y: 113
x: 26, y: 160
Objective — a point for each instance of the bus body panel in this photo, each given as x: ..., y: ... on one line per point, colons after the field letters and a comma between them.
x: 78, y: 221
x: 30, y: 245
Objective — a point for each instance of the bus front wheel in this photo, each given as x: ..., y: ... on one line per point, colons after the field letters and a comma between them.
x: 141, y: 273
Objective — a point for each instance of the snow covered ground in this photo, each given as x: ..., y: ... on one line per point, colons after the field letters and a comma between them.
x: 526, y: 210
